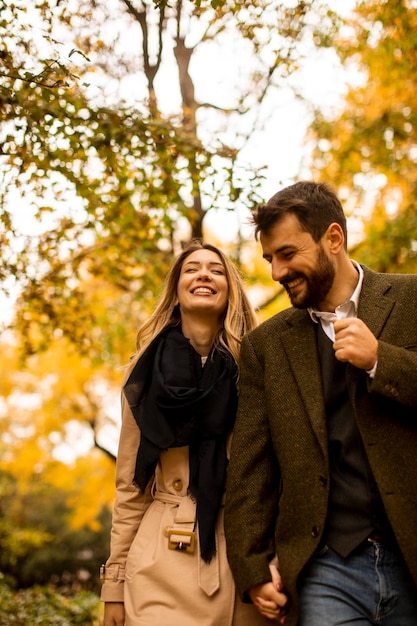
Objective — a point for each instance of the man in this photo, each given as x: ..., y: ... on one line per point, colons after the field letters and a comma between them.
x: 323, y: 472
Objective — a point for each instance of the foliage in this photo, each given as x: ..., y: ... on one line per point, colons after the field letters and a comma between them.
x: 43, y: 605
x: 96, y: 188
x: 369, y: 149
x: 39, y: 541
x: 115, y: 146
x: 59, y: 400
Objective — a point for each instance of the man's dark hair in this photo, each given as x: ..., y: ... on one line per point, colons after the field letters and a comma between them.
x: 315, y: 205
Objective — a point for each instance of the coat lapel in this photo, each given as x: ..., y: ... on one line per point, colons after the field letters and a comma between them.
x: 299, y: 341
x: 301, y: 349
x: 375, y: 302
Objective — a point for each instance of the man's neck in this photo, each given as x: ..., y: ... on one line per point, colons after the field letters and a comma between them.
x: 346, y: 279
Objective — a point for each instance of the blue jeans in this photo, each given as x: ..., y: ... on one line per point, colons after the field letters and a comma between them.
x: 372, y: 587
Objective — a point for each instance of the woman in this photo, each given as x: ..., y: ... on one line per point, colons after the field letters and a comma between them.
x: 168, y: 559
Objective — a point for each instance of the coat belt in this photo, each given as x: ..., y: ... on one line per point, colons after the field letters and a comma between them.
x: 184, y: 525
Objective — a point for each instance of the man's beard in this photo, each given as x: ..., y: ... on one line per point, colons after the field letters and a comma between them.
x: 318, y: 283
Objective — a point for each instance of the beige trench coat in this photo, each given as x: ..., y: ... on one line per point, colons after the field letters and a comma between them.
x: 160, y: 585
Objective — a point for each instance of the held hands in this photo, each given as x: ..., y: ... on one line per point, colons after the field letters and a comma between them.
x: 114, y: 614
x: 355, y: 343
x: 269, y: 599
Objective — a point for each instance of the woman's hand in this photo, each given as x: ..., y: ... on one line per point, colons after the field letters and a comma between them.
x: 114, y: 614
x: 269, y: 599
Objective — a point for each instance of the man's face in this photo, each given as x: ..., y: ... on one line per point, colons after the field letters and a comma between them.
x: 303, y: 267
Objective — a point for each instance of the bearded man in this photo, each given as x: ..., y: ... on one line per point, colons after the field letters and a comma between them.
x: 321, y: 499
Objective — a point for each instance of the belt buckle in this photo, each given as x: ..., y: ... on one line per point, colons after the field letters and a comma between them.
x: 177, y: 544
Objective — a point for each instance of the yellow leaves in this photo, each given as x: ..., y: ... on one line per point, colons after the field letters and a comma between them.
x: 369, y: 148
x: 371, y: 145
x: 90, y: 485
x: 41, y: 403
x: 22, y: 540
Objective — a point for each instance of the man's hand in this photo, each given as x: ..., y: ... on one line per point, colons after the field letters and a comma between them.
x: 355, y: 343
x: 269, y: 599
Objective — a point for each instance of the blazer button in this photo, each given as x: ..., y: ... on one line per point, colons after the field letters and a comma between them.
x: 315, y: 531
x: 323, y: 481
x: 392, y: 390
x: 178, y: 484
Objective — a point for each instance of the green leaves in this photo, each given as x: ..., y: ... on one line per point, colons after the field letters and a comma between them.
x: 41, y: 605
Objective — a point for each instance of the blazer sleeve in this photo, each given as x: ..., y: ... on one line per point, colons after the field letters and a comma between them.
x: 387, y: 305
x: 252, y: 489
x: 396, y: 373
x: 129, y: 508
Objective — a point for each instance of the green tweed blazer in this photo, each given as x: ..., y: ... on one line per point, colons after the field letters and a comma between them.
x: 278, y: 476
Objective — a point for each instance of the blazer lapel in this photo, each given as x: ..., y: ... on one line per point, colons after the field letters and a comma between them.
x: 375, y: 303
x: 301, y: 349
x: 299, y: 341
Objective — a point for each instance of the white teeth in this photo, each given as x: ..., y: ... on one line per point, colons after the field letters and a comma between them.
x: 203, y: 290
x: 294, y: 283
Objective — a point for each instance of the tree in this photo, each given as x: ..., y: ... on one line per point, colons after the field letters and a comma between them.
x: 368, y: 149
x: 97, y: 191
x: 40, y: 543
x: 112, y: 188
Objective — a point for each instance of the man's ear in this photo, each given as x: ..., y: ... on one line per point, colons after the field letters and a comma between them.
x: 335, y: 238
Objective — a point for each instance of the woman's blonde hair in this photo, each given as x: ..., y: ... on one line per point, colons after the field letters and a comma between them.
x: 239, y: 317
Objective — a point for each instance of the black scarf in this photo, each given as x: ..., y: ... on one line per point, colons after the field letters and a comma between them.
x: 177, y: 402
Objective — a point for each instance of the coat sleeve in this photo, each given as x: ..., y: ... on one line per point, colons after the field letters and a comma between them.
x: 387, y: 305
x: 252, y: 489
x: 129, y: 508
x: 396, y: 373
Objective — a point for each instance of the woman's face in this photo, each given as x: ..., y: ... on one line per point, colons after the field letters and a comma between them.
x: 202, y: 286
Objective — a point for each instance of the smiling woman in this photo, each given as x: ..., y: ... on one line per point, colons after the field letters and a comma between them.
x: 168, y: 560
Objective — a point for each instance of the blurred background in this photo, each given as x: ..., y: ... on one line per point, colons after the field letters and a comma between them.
x: 127, y: 127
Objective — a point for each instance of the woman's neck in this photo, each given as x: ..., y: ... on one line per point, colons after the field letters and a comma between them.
x: 201, y: 334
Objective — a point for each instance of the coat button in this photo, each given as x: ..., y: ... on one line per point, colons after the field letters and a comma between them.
x: 178, y: 484
x: 315, y: 531
x: 390, y: 389
x: 323, y: 481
